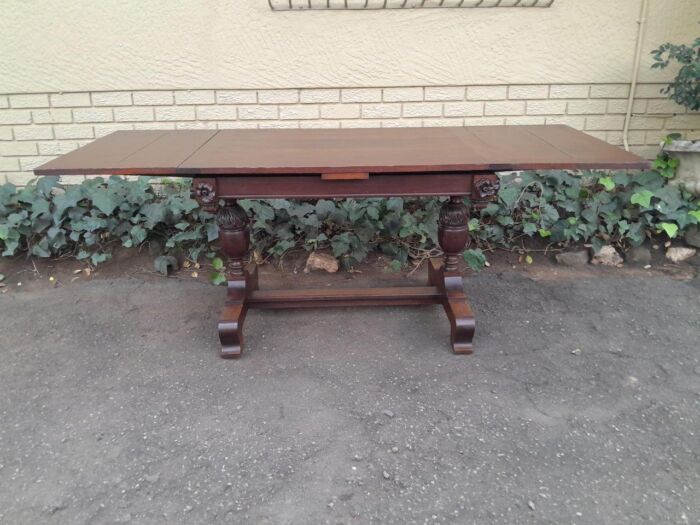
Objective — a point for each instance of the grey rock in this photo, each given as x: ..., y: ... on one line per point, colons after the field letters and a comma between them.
x: 692, y: 236
x: 388, y: 413
x: 678, y: 254
x: 639, y: 256
x: 607, y: 256
x: 321, y: 261
x: 576, y: 258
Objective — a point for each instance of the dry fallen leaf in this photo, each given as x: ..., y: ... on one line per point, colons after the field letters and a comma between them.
x: 195, y: 274
x: 80, y: 270
x: 186, y: 264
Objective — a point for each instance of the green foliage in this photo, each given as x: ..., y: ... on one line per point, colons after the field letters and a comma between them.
x: 685, y: 89
x: 601, y: 208
x: 475, y: 259
x: 218, y: 276
x: 350, y: 228
x: 86, y: 221
x: 165, y: 263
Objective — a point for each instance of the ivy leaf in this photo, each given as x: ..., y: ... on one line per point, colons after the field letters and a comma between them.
x: 509, y: 196
x: 607, y: 183
x: 164, y: 263
x: 670, y: 228
x: 529, y: 259
x: 97, y: 258
x: 395, y: 265
x: 642, y: 198
x: 46, y: 184
x: 212, y: 231
x: 41, y: 249
x: 395, y: 204
x: 695, y: 214
x: 217, y: 263
x: 138, y: 234
x: 544, y: 233
x: 105, y: 201
x: 325, y: 207
x: 373, y: 212
x: 529, y: 228
x: 475, y: 259
x: 218, y: 278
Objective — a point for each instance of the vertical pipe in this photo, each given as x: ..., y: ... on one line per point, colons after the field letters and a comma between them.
x: 635, y: 72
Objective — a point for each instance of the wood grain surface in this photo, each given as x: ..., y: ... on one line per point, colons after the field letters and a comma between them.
x: 328, y: 151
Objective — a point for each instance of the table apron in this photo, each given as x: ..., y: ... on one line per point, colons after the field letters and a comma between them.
x: 314, y: 187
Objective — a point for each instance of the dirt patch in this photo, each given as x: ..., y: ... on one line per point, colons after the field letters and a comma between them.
x: 24, y: 274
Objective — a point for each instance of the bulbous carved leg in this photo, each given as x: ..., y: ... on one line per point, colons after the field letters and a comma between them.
x: 234, y: 239
x: 453, y: 234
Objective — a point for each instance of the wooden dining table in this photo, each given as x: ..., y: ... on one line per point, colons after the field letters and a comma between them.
x: 228, y: 165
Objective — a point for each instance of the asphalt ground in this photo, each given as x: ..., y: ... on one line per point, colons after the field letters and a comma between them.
x: 581, y: 405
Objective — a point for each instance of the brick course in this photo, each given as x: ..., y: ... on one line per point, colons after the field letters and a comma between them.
x: 34, y: 128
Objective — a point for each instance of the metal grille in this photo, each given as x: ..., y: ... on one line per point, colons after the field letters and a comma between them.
x: 293, y: 5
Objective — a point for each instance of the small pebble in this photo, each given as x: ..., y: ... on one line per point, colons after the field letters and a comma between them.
x: 386, y: 475
x: 531, y: 505
x: 388, y: 413
x: 576, y: 352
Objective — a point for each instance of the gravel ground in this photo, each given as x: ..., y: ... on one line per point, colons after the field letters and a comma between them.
x: 580, y: 406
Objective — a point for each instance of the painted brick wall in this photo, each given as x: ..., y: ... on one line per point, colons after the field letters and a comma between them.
x: 35, y: 128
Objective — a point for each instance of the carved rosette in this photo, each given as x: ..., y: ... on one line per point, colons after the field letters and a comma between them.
x: 453, y: 231
x: 485, y: 189
x: 204, y: 191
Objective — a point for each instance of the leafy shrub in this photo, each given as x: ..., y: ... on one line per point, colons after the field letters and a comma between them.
x: 351, y: 228
x: 685, y: 88
x: 85, y: 221
x: 616, y: 208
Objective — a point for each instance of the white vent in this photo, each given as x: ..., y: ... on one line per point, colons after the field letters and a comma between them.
x: 293, y: 5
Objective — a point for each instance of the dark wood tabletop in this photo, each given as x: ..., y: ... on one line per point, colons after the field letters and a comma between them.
x: 312, y: 151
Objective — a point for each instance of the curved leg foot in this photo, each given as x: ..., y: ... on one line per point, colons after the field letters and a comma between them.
x: 231, y: 330
x: 462, y: 323
x: 462, y: 326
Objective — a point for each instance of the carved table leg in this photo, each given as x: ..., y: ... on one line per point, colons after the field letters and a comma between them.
x: 234, y: 238
x: 453, y: 234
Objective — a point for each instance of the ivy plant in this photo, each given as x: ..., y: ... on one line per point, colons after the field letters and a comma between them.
x: 86, y: 221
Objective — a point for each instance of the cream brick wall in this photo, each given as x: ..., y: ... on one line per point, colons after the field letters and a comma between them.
x: 34, y: 128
